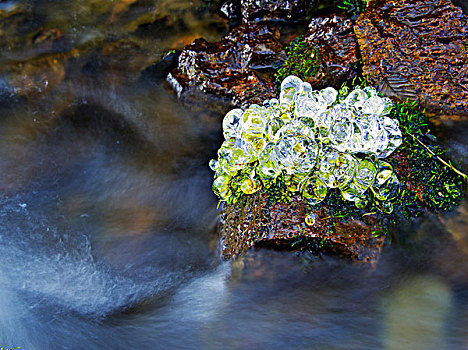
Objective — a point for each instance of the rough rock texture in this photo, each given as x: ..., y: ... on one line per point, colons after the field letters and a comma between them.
x: 233, y: 68
x: 335, y: 42
x: 256, y: 222
x: 269, y: 10
x: 417, y: 49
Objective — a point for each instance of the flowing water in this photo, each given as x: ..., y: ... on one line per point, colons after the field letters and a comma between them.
x: 108, y: 222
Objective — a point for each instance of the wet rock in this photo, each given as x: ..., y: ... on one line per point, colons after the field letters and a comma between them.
x: 238, y: 68
x: 266, y: 10
x: 156, y: 73
x: 417, y: 50
x: 257, y: 223
x: 335, y: 44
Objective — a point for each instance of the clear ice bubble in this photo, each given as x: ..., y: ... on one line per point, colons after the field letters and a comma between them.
x: 272, y: 127
x: 363, y: 178
x: 267, y: 163
x: 356, y: 98
x: 234, y: 154
x: 374, y: 105
x: 310, y: 219
x: 386, y: 185
x: 296, y: 127
x: 329, y: 95
x: 293, y: 182
x: 306, y: 87
x: 273, y: 103
x: 231, y: 123
x: 296, y: 154
x: 372, y: 137
x: 254, y: 119
x: 250, y: 185
x: 365, y: 174
x: 289, y: 87
x: 393, y: 136
x: 336, y: 168
x: 341, y: 132
x: 213, y: 164
x: 221, y: 186
x: 313, y: 190
x: 388, y: 105
x: 370, y: 91
x: 352, y: 191
x: 305, y: 106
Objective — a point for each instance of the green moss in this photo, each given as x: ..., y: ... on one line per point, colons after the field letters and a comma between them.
x: 302, y: 61
x: 428, y: 181
x: 435, y: 184
x: 352, y: 7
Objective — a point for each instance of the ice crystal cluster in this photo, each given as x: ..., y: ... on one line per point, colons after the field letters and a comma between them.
x: 314, y: 141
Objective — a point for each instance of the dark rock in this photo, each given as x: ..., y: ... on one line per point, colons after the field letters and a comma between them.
x: 418, y: 50
x: 238, y: 68
x: 266, y: 10
x: 335, y: 44
x: 256, y: 223
x: 157, y: 73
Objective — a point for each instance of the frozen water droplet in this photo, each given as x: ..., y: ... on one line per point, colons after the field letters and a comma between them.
x: 329, y: 95
x: 351, y: 191
x: 393, y: 136
x: 213, y: 164
x: 296, y: 153
x: 365, y: 174
x: 386, y: 185
x: 370, y: 91
x: 356, y: 98
x: 341, y: 132
x: 231, y: 123
x: 221, y: 186
x: 310, y: 219
x: 374, y: 105
x: 250, y: 185
x: 313, y: 190
x: 289, y: 87
x: 336, y: 168
x: 268, y: 164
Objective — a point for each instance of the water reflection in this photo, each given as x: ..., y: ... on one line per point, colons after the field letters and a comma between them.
x: 107, y: 231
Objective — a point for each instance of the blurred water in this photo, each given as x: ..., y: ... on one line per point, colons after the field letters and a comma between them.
x: 108, y: 224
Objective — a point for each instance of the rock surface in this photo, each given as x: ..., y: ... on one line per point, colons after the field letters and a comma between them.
x: 235, y: 68
x: 266, y: 10
x: 260, y: 223
x: 417, y: 50
x: 335, y: 42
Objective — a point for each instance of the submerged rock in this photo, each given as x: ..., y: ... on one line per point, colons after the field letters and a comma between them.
x: 269, y: 10
x: 259, y: 222
x: 236, y: 68
x: 417, y: 50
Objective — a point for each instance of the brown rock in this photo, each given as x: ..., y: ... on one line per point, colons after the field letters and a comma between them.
x: 236, y: 68
x: 335, y: 42
x: 269, y: 10
x: 256, y: 222
x: 418, y: 50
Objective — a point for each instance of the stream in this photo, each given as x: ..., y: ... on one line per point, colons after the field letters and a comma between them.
x: 108, y: 223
